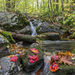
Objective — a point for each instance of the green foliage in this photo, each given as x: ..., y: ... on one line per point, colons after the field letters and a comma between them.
x: 46, y: 9
x: 65, y: 28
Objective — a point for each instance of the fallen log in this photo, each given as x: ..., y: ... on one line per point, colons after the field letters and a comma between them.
x: 31, y: 39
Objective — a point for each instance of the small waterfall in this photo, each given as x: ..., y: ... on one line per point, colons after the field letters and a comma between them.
x: 33, y: 29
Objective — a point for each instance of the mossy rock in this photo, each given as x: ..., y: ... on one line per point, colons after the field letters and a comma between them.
x: 49, y: 36
x: 28, y: 66
x: 64, y: 39
x: 15, y: 22
x: 72, y: 37
x: 37, y: 28
x: 3, y: 43
x: 65, y: 28
x: 8, y: 36
x: 51, y: 26
x: 65, y: 70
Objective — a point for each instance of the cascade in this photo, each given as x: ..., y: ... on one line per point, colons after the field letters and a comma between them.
x: 33, y: 28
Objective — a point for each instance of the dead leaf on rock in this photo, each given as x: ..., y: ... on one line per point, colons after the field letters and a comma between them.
x: 65, y: 60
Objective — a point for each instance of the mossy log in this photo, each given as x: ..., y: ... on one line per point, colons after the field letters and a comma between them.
x: 29, y: 38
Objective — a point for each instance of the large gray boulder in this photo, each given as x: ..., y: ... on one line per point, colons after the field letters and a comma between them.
x: 44, y: 27
x: 12, y: 21
x: 7, y: 67
x: 3, y: 43
x: 26, y: 30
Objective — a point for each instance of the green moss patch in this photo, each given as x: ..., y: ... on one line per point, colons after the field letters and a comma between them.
x: 65, y: 28
x: 64, y: 39
x: 51, y: 26
x: 8, y: 36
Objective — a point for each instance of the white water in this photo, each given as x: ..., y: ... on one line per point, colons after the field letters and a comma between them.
x: 33, y: 28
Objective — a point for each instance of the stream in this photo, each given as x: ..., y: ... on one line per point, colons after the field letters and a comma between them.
x: 33, y: 25
x: 52, y: 47
x: 49, y: 48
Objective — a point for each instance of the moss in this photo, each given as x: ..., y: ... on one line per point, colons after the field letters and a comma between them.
x: 65, y: 28
x: 72, y: 37
x: 65, y: 69
x: 45, y: 19
x: 8, y: 36
x: 51, y: 26
x: 6, y: 43
x: 64, y: 39
x: 26, y: 22
x: 37, y: 28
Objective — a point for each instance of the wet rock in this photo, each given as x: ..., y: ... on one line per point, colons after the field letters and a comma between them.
x: 3, y: 43
x: 8, y: 68
x: 12, y: 21
x: 8, y: 36
x: 49, y: 36
x: 26, y: 30
x: 33, y: 45
x: 36, y: 23
x: 63, y: 32
x: 30, y: 67
x: 64, y: 70
x: 44, y: 27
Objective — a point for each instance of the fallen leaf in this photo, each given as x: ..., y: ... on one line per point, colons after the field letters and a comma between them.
x: 10, y: 56
x: 65, y: 60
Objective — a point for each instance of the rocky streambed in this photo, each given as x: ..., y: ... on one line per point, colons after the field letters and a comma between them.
x: 17, y: 26
x: 48, y: 48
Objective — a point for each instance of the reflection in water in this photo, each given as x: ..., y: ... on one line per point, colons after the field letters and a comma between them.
x: 46, y: 69
x: 56, y: 46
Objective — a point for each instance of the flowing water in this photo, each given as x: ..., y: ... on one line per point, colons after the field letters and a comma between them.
x: 56, y: 46
x: 49, y: 48
x: 33, y: 27
x: 34, y: 33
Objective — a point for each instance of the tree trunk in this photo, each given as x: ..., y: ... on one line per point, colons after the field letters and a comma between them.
x: 57, y: 7
x: 66, y: 1
x: 10, y: 5
x: 37, y: 4
x: 51, y: 8
x: 54, y: 5
x: 43, y: 7
x: 62, y: 10
x: 48, y: 6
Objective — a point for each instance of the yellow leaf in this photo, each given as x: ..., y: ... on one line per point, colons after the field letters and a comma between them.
x: 10, y: 56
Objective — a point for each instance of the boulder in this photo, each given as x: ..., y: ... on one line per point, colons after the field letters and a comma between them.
x: 65, y: 70
x: 36, y: 23
x: 63, y: 33
x: 49, y: 36
x: 8, y: 36
x: 12, y: 21
x: 26, y: 30
x: 3, y: 43
x: 44, y: 27
x: 30, y: 67
x: 7, y: 67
